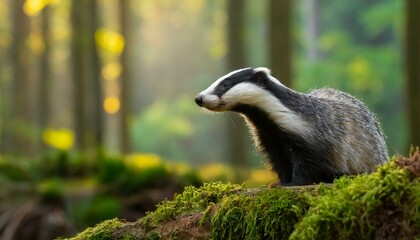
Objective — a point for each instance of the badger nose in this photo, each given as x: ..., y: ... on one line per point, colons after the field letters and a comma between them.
x: 199, y: 100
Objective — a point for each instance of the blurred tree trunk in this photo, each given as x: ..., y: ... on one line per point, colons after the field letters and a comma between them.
x: 236, y: 59
x: 87, y: 88
x: 280, y: 41
x: 412, y: 52
x: 45, y: 74
x: 125, y: 96
x: 16, y: 140
x: 97, y: 116
x: 311, y: 18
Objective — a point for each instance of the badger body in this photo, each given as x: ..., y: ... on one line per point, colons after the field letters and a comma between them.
x: 307, y: 138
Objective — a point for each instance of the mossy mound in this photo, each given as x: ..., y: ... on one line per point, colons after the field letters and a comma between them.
x: 381, y: 205
x: 104, y: 230
x: 264, y: 215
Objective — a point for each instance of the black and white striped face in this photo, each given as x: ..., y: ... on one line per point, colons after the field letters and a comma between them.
x: 255, y: 88
x: 243, y: 86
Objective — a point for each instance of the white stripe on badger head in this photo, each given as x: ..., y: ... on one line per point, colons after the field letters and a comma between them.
x: 213, y: 86
x: 268, y: 73
x: 251, y: 94
x: 275, y: 80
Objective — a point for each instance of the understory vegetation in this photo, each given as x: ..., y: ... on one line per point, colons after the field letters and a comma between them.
x: 381, y: 205
x: 78, y: 190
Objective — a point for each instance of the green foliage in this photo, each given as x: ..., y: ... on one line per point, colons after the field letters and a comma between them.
x: 179, y: 126
x: 62, y: 163
x: 14, y: 170
x: 134, y: 180
x: 189, y: 178
x: 51, y: 190
x: 359, y: 48
x: 102, y: 208
x: 89, y: 211
x: 128, y: 177
x: 92, y: 188
x: 110, y: 168
x: 166, y: 125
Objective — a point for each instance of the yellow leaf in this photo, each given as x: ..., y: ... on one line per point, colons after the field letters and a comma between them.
x: 62, y: 139
x: 143, y: 161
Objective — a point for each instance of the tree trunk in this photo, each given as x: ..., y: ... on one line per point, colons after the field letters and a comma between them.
x: 87, y: 95
x: 16, y: 136
x: 45, y: 75
x: 97, y: 116
x: 125, y: 95
x: 311, y: 18
x: 412, y: 52
x: 236, y: 59
x: 280, y: 42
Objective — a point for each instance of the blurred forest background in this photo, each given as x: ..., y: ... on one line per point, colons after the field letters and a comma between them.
x: 100, y: 93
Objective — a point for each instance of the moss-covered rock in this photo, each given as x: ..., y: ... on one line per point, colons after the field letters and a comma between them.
x: 102, y: 231
x: 381, y: 205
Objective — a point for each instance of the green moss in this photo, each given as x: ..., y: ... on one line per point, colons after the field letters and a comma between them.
x: 229, y: 221
x: 274, y: 213
x: 269, y: 214
x: 154, y: 236
x: 379, y: 205
x: 102, y: 231
x: 206, y: 214
x: 193, y: 200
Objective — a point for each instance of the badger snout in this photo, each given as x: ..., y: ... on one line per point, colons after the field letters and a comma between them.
x: 209, y: 101
x: 199, y: 100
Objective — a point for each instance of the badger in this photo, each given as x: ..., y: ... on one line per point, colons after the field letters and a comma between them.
x: 307, y: 138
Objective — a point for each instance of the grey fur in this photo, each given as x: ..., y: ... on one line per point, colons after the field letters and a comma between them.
x: 348, y: 127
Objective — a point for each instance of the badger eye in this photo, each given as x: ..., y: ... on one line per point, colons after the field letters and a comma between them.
x: 225, y: 85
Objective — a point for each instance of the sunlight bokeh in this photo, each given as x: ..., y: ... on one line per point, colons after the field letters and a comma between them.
x: 110, y: 41
x: 111, y: 105
x: 34, y: 7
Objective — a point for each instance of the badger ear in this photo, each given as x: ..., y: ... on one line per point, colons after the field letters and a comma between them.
x: 261, y: 73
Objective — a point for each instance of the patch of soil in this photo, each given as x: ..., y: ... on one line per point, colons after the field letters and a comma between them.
x: 390, y: 222
x: 185, y: 227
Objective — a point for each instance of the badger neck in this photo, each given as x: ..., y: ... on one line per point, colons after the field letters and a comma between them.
x: 278, y: 107
x: 287, y: 96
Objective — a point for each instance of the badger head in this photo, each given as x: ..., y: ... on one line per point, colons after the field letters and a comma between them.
x: 243, y: 86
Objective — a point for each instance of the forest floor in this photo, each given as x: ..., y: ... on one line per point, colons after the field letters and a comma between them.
x: 381, y: 205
